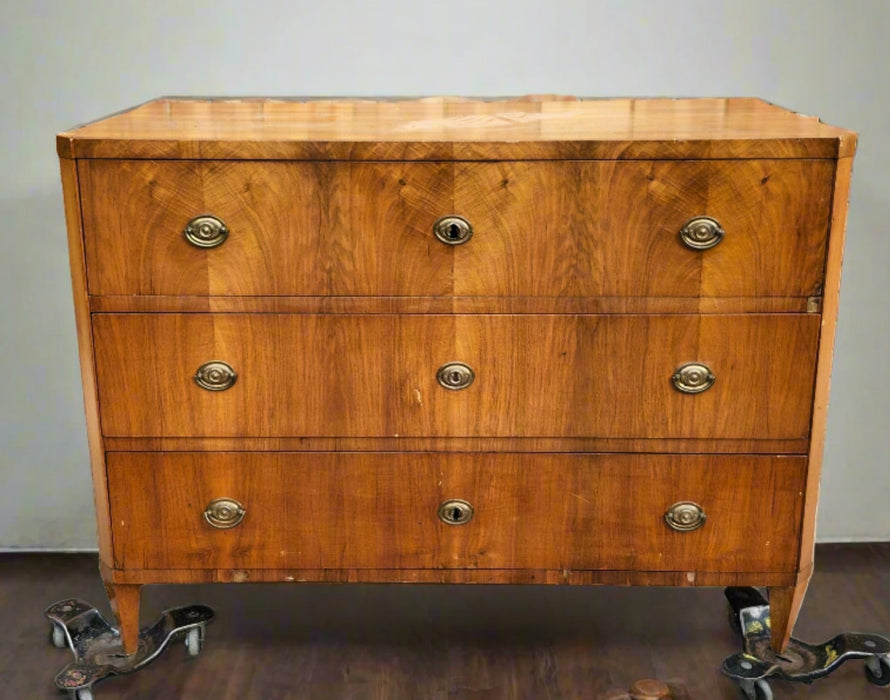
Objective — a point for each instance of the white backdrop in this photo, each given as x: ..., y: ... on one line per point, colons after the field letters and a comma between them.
x: 65, y: 61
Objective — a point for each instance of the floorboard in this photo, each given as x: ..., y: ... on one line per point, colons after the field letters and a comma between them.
x: 423, y: 642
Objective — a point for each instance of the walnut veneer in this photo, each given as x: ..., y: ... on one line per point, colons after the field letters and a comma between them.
x: 575, y: 302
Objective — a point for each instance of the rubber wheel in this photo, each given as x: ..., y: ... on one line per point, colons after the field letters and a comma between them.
x: 762, y: 691
x: 57, y: 637
x: 83, y: 694
x: 735, y: 624
x: 194, y: 641
x: 883, y: 679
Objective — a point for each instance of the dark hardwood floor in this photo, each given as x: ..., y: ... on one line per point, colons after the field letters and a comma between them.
x: 422, y: 642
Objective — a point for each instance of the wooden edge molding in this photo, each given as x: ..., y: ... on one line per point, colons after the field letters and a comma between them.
x: 469, y: 576
x: 781, y: 448
x: 71, y: 193
x: 444, y: 305
x: 69, y: 146
x: 831, y: 298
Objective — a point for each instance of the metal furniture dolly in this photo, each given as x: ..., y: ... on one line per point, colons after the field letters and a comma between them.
x: 97, y: 645
x: 801, y: 662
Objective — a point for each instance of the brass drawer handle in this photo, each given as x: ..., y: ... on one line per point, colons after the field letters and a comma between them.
x: 701, y: 233
x: 224, y: 513
x: 206, y: 231
x: 685, y: 516
x: 215, y: 376
x: 693, y: 378
x: 456, y: 512
x: 453, y: 230
x: 455, y: 375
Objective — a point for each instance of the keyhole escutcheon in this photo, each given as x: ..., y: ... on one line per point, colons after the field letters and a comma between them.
x: 455, y: 376
x: 453, y: 230
x: 456, y: 511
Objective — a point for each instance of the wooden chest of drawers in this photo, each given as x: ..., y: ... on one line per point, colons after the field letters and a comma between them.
x: 522, y: 341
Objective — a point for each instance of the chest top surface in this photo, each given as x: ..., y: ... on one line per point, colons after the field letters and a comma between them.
x: 441, y: 128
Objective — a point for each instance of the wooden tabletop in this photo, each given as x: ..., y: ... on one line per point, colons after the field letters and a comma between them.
x: 530, y: 127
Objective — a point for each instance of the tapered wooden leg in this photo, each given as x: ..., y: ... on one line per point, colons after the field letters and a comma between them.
x: 784, y: 607
x: 124, y: 599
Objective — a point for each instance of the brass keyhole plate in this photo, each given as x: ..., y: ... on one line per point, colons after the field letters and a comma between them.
x: 455, y: 375
x: 455, y: 511
x: 453, y: 230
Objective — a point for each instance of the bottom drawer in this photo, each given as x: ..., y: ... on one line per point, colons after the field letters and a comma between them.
x: 381, y: 511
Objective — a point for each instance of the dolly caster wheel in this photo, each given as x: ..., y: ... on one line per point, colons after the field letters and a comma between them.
x: 733, y: 618
x: 877, y: 670
x: 97, y: 644
x: 756, y: 690
x: 194, y: 640
x: 57, y: 637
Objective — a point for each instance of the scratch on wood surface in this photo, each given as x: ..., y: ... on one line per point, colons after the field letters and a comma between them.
x: 581, y: 498
x: 418, y: 397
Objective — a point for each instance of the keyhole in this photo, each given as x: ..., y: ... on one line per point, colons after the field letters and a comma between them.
x: 453, y: 230
x: 455, y: 512
x: 455, y: 377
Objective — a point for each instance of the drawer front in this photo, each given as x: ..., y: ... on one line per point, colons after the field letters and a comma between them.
x: 332, y: 511
x: 612, y: 228
x: 574, y: 228
x: 293, y: 228
x: 535, y: 376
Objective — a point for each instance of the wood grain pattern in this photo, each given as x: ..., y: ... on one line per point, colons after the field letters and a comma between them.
x: 785, y: 603
x: 343, y: 511
x: 788, y: 600
x: 611, y: 229
x: 295, y: 228
x: 561, y: 230
x: 445, y: 129
x: 571, y: 577
x: 125, y: 600
x: 448, y: 305
x: 71, y: 192
x: 571, y: 376
x: 830, y: 305
x: 451, y: 444
x: 574, y: 302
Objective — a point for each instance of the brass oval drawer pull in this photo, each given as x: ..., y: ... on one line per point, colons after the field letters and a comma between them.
x: 215, y: 376
x: 693, y: 378
x: 206, y: 231
x: 223, y: 513
x: 453, y: 230
x: 701, y: 233
x: 456, y: 512
x: 455, y: 375
x: 685, y: 516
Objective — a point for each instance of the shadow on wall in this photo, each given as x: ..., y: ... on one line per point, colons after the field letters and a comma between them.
x: 46, y: 500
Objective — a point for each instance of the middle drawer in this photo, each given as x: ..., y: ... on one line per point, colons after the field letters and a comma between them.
x: 533, y: 376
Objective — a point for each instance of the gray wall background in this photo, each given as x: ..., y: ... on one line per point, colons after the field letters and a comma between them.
x: 64, y: 61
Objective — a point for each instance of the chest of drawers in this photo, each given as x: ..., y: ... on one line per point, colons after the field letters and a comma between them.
x: 535, y: 340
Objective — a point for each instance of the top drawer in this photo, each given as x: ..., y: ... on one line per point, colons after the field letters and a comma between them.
x: 540, y: 229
